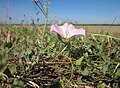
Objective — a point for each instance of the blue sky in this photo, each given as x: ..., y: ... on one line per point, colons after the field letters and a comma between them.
x: 82, y: 11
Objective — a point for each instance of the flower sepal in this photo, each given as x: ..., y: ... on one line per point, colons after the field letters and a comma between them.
x: 65, y: 41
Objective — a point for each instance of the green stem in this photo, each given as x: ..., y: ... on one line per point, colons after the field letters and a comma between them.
x: 45, y: 26
x: 61, y: 51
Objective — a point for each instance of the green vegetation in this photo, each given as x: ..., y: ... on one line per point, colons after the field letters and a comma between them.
x: 29, y: 60
x: 32, y: 57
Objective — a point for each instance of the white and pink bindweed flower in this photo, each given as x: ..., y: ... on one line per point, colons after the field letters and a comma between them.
x: 67, y: 30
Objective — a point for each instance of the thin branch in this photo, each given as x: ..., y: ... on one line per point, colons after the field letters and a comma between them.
x: 111, y: 24
x: 41, y: 9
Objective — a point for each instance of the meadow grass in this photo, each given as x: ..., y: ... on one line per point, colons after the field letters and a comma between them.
x: 29, y: 60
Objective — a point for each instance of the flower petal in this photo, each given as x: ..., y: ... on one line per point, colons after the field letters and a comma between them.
x: 71, y: 27
x: 56, y: 29
x: 75, y: 32
x: 67, y: 31
x: 65, y: 26
x: 64, y: 29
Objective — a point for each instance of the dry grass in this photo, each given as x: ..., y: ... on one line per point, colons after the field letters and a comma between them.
x: 98, y: 29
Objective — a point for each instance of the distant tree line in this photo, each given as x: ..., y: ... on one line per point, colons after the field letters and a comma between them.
x: 73, y: 24
x: 97, y: 24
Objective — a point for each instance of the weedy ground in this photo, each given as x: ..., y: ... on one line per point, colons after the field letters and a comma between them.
x: 29, y: 59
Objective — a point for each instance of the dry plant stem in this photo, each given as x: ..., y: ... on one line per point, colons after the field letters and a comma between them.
x: 68, y: 62
x: 72, y: 68
x: 41, y: 4
x: 93, y: 37
x: 61, y: 51
x: 106, y: 36
x: 33, y: 84
x: 57, y: 62
x: 57, y: 56
x: 4, y: 75
x: 116, y: 67
x: 8, y: 39
x: 41, y: 8
x: 11, y: 47
x: 111, y: 24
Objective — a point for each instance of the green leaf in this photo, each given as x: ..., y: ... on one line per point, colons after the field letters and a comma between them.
x: 118, y: 72
x: 4, y: 58
x: 7, y: 72
x: 18, y: 84
x: 3, y: 68
x: 28, y: 52
x: 89, y: 50
x: 86, y: 54
x: 3, y: 61
x: 79, y: 61
x: 12, y: 68
x: 103, y: 85
x: 85, y: 72
x: 105, y: 68
x: 82, y: 83
x: 9, y: 44
x: 21, y: 64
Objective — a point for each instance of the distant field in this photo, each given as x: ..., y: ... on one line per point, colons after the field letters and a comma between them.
x: 113, y: 29
x: 97, y: 29
x: 89, y: 28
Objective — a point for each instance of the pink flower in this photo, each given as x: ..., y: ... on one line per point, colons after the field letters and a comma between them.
x: 67, y: 31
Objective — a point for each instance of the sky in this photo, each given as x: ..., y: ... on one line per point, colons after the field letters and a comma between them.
x: 80, y: 11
